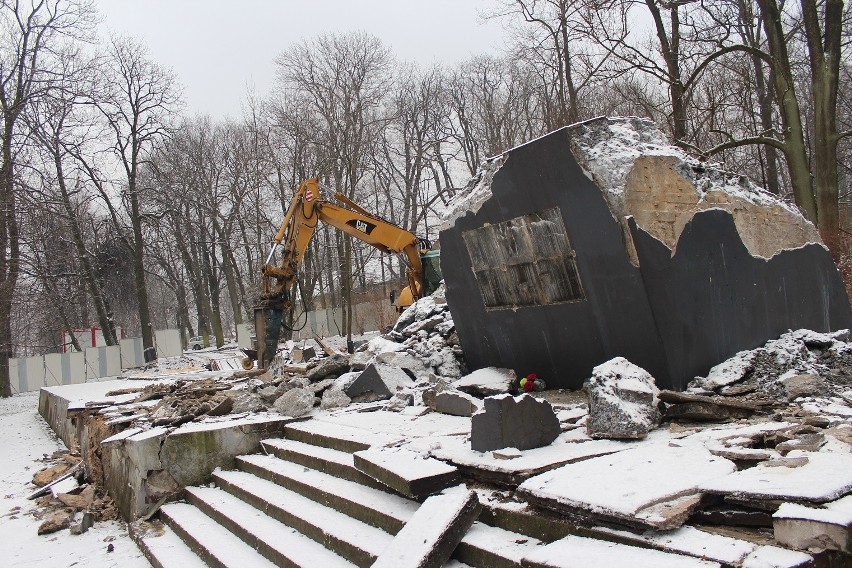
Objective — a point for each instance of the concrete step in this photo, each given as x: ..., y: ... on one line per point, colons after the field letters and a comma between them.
x: 352, y: 539
x: 215, y: 544
x: 492, y: 547
x: 336, y: 437
x: 164, y: 548
x: 378, y: 508
x: 281, y: 544
x: 334, y: 462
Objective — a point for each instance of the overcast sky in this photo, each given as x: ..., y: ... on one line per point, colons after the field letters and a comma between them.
x: 220, y: 48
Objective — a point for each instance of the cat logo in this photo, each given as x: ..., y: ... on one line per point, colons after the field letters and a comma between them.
x: 361, y: 225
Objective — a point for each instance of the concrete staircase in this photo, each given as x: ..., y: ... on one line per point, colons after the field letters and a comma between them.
x: 303, y: 504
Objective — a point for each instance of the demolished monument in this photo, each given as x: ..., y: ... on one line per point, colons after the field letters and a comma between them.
x: 601, y: 240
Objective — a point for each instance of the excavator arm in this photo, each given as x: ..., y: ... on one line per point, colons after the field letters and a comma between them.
x: 306, y: 211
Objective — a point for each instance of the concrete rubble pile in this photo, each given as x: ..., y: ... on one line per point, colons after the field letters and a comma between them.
x: 66, y: 499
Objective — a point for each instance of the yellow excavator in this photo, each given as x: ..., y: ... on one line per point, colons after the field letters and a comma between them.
x: 306, y: 211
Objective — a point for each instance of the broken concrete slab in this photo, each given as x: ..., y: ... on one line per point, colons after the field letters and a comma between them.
x: 649, y: 300
x: 629, y: 487
x: 521, y: 422
x: 622, y: 401
x: 56, y: 522
x: 407, y: 472
x: 825, y: 477
x: 336, y: 365
x: 487, y: 382
x: 806, y: 528
x: 456, y: 403
x: 700, y: 408
x: 582, y: 551
x: 382, y: 380
x: 431, y: 535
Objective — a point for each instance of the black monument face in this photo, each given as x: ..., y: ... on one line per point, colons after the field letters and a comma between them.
x: 539, y: 280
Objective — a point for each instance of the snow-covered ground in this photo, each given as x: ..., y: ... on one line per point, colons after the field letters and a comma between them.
x: 27, y: 439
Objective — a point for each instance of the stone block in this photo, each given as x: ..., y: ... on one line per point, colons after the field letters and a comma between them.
x: 382, y: 380
x: 521, y: 422
x: 486, y: 382
x: 622, y: 401
x: 803, y: 385
x: 300, y: 355
x: 456, y: 403
x: 295, y: 402
x: 334, y: 398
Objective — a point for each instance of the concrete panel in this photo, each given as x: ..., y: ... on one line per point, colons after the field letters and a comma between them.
x: 607, y: 316
x: 713, y: 298
x: 168, y: 343
x: 34, y: 373
x: 112, y: 356
x: 244, y: 335
x: 74, y: 368
x: 131, y: 352
x: 53, y: 370
x: 94, y: 369
x: 14, y: 375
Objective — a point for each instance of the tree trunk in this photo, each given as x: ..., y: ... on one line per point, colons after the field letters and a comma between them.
x: 795, y: 148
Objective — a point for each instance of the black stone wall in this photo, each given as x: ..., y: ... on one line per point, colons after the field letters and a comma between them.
x: 676, y: 317
x: 562, y: 341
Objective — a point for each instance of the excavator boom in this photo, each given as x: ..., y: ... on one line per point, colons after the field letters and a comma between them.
x: 306, y: 211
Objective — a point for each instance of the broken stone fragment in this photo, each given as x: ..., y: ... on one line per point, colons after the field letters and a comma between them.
x: 300, y: 355
x: 319, y: 387
x: 456, y: 403
x: 334, y: 397
x: 399, y: 401
x: 381, y: 380
x: 57, y: 521
x: 425, y: 325
x: 803, y: 442
x: 82, y: 500
x: 295, y: 402
x: 679, y: 405
x: 486, y: 382
x: 521, y: 422
x: 334, y: 365
x: 803, y: 385
x: 85, y: 524
x: 159, y: 484
x: 403, y: 360
x: 47, y: 475
x: 806, y: 528
x: 622, y: 401
x: 247, y: 402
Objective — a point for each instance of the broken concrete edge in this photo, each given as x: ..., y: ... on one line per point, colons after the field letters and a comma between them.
x: 403, y: 471
x: 432, y: 534
x: 186, y: 454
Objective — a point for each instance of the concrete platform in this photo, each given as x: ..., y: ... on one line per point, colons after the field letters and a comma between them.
x: 140, y: 467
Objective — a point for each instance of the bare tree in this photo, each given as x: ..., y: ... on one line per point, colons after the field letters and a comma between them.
x: 29, y: 32
x: 137, y: 103
x: 344, y: 79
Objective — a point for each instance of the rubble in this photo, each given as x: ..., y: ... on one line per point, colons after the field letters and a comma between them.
x: 622, y: 401
x: 456, y: 403
x: 295, y: 402
x: 521, y: 422
x: 383, y: 381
